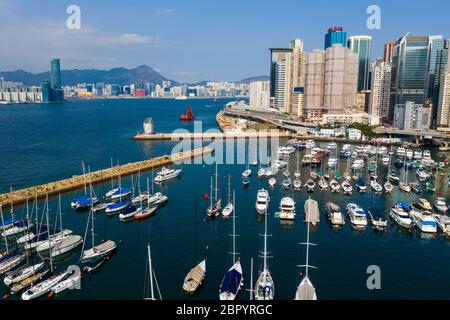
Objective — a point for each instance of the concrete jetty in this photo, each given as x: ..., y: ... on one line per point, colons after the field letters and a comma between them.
x: 211, y: 135
x: 78, y: 182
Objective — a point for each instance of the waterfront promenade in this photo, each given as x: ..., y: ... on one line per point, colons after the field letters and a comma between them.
x: 78, y: 182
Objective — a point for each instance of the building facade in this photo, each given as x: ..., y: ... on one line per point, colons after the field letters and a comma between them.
x: 443, y: 116
x: 380, y: 90
x: 362, y: 46
x: 335, y: 35
x: 412, y: 116
x: 260, y: 94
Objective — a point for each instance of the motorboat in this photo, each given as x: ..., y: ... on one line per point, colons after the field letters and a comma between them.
x: 262, y: 201
x: 334, y: 214
x: 167, y: 174
x: 323, y: 184
x: 388, y: 187
x: 358, y: 164
x: 443, y: 223
x: 440, y: 205
x: 287, y: 209
x: 400, y: 214
x: 194, y: 278
x: 357, y: 215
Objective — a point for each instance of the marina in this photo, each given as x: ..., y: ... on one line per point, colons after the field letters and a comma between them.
x: 182, y: 228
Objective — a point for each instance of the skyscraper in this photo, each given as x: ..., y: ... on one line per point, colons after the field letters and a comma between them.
x: 388, y: 51
x: 287, y: 77
x: 437, y: 67
x: 330, y: 82
x: 56, y: 74
x: 278, y: 60
x: 335, y: 35
x: 410, y: 65
x: 380, y: 90
x: 341, y: 79
x: 46, y: 91
x: 362, y: 46
x: 443, y: 115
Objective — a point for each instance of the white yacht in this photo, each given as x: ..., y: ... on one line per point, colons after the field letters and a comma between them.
x: 287, y: 209
x: 262, y: 201
x: 421, y: 215
x: 167, y: 174
x: 357, y: 216
x: 443, y: 223
x: 441, y: 205
x: 272, y: 182
x: 400, y: 214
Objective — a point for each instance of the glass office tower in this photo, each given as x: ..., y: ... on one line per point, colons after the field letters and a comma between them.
x: 362, y: 46
x: 335, y: 35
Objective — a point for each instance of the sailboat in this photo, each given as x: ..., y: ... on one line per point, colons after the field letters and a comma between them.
x: 229, y: 207
x: 149, y: 293
x: 214, y: 208
x: 265, y: 287
x: 195, y: 277
x: 68, y: 243
x: 41, y: 288
x: 233, y: 279
x: 403, y: 185
x: 388, y: 187
x: 100, y: 250
x: 306, y: 290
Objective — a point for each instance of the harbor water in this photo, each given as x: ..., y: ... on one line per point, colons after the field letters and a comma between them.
x: 43, y: 143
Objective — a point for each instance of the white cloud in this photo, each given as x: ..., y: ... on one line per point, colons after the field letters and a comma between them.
x: 32, y: 43
x: 164, y: 11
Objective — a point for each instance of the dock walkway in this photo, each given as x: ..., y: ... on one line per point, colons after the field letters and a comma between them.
x: 78, y: 182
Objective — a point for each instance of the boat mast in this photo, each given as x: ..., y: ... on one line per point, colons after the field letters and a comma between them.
x: 4, y: 235
x: 265, y: 244
x: 211, y: 196
x: 234, y: 229
x: 216, y: 190
x: 148, y: 189
x: 251, y: 280
x: 92, y: 212
x: 229, y: 188
x: 48, y: 231
x: 150, y: 270
x: 84, y: 177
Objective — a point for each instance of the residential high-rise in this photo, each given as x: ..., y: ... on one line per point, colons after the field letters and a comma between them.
x: 331, y: 81
x: 410, y: 66
x: 260, y: 94
x: 380, y: 90
x: 314, y: 84
x: 437, y: 67
x: 335, y: 35
x: 443, y: 116
x: 341, y: 79
x: 362, y: 46
x: 46, y: 91
x: 287, y: 77
x: 388, y: 51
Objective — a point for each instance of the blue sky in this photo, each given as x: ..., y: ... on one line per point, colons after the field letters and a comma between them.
x: 194, y: 40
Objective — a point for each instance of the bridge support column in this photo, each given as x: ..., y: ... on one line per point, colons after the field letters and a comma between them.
x: 417, y: 139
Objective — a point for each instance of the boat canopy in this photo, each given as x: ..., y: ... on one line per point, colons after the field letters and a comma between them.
x: 117, y: 205
x: 83, y: 201
x: 231, y: 281
x: 404, y: 205
x: 121, y: 191
x: 7, y: 222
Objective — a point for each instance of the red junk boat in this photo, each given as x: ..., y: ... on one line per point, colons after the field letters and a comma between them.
x: 188, y: 116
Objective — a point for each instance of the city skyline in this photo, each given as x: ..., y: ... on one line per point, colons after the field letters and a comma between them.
x: 211, y: 49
